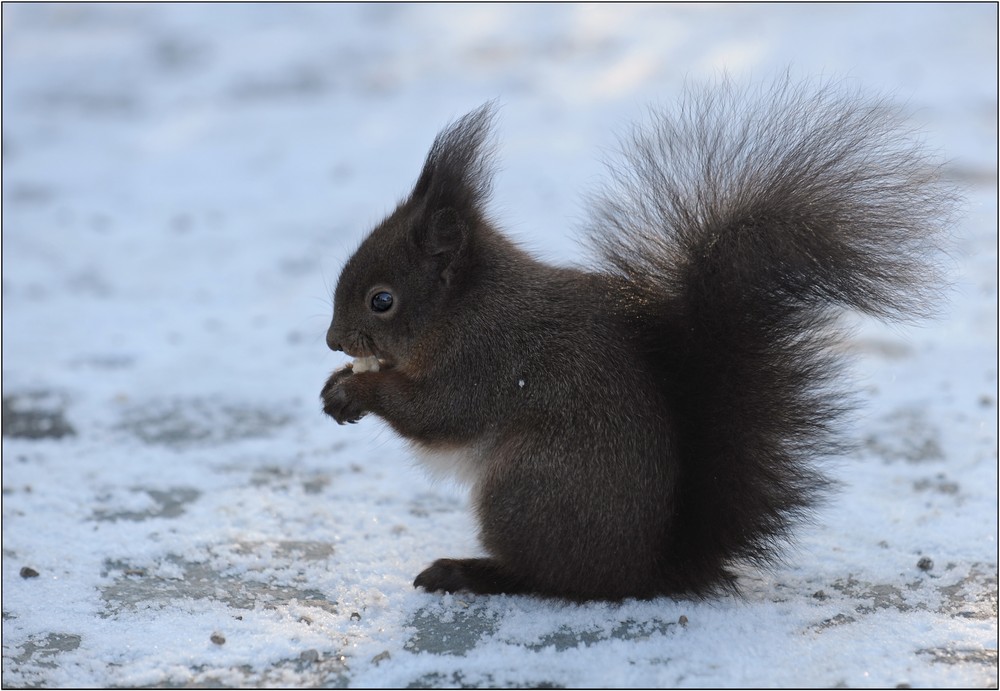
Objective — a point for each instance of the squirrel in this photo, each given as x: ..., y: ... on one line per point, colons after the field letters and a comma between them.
x: 647, y: 425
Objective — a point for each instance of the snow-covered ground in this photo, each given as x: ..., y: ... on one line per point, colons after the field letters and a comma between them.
x: 181, y: 184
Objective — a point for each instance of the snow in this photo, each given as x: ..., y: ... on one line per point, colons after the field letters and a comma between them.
x: 181, y: 186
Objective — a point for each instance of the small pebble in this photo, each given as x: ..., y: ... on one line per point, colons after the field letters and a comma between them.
x: 28, y: 572
x: 218, y: 638
x: 820, y: 595
x: 355, y: 616
x: 309, y: 656
x: 384, y: 655
x: 682, y: 620
x: 925, y: 564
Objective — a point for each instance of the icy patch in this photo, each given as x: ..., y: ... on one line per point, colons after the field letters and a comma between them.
x: 35, y: 415
x: 184, y: 422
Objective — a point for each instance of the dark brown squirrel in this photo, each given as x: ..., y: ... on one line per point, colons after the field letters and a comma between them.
x: 642, y: 427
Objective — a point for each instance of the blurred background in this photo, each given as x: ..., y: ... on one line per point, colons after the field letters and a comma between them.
x: 181, y: 182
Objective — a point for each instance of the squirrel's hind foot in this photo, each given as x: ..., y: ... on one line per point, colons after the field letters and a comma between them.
x: 483, y: 576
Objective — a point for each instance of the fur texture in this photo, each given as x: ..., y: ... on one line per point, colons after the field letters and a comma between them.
x: 641, y: 428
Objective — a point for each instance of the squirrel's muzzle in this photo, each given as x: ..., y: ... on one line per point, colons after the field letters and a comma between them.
x: 333, y: 340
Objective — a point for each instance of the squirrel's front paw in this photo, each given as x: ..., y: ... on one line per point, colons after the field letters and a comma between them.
x: 338, y: 402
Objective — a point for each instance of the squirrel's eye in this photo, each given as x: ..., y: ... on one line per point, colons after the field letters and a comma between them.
x: 382, y: 301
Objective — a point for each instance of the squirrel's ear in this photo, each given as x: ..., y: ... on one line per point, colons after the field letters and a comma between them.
x: 458, y: 173
x: 453, y: 189
x: 442, y: 237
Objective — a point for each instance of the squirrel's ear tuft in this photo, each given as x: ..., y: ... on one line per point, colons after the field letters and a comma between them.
x: 458, y: 173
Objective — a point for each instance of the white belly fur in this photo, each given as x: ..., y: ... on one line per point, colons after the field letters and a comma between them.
x: 461, y: 464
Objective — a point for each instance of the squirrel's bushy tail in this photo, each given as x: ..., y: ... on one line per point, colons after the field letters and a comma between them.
x: 740, y: 223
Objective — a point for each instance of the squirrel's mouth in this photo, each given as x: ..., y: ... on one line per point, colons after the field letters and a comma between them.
x: 366, y: 357
x: 369, y: 363
x: 368, y: 360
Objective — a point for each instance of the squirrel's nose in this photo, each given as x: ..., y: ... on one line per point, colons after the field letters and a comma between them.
x: 332, y: 342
